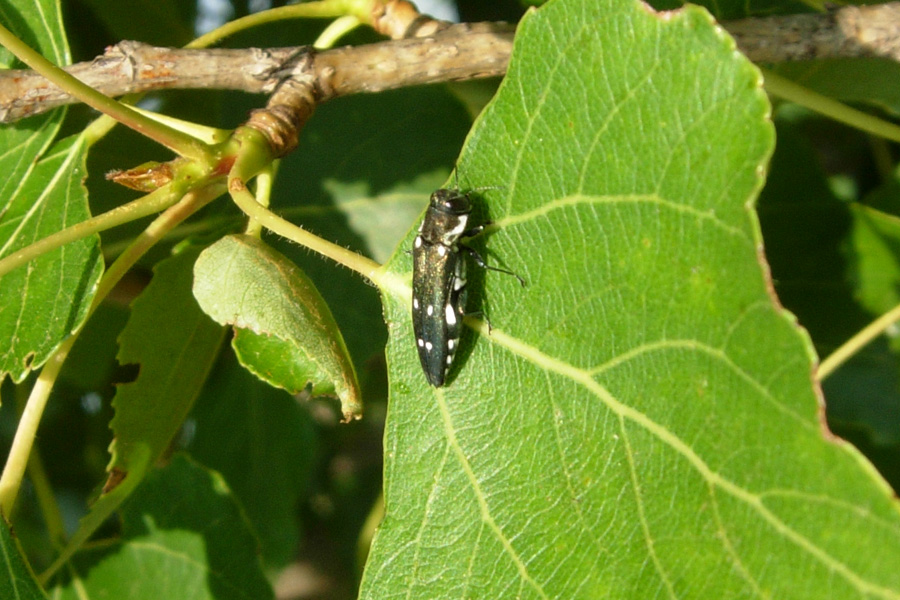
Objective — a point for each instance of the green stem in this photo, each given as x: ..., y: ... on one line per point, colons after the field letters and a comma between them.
x: 361, y: 9
x: 264, y: 182
x: 11, y: 480
x: 179, y: 142
x: 14, y: 469
x: 252, y: 159
x: 788, y: 90
x: 151, y: 203
x: 335, y: 31
x: 366, y: 267
x: 43, y: 491
x: 857, y: 342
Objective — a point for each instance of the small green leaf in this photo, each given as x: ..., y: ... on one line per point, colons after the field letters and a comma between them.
x: 184, y: 536
x: 284, y: 331
x: 174, y: 345
x: 641, y: 421
x: 42, y: 302
x: 17, y: 581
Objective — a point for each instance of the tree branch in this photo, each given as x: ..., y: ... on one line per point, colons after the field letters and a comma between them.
x: 851, y: 32
x: 437, y: 53
x: 463, y: 51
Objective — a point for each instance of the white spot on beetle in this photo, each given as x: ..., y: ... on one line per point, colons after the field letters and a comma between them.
x: 430, y: 310
x: 449, y: 360
x: 421, y: 342
x: 451, y: 344
x: 418, y: 242
x: 416, y: 303
x: 458, y: 283
x: 450, y: 314
x: 460, y: 226
x: 428, y: 346
x: 442, y: 250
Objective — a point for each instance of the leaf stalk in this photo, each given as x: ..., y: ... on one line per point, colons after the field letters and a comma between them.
x: 793, y: 92
x: 856, y: 343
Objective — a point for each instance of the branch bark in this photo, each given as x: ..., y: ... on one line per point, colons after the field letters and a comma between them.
x: 436, y: 54
x: 851, y: 32
x: 457, y: 52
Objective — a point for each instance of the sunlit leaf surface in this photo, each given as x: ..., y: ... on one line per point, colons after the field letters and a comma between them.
x: 640, y: 422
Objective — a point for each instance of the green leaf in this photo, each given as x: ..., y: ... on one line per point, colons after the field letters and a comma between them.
x: 263, y: 443
x: 17, y: 582
x: 284, y: 331
x: 640, y: 422
x: 42, y: 302
x: 184, y: 536
x: 174, y: 344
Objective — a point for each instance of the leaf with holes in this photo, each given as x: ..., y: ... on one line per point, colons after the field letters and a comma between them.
x: 173, y: 343
x: 640, y: 421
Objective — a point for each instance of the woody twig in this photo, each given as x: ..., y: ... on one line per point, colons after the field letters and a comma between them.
x: 429, y: 51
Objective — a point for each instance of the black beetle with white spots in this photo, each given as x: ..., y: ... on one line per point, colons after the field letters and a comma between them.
x: 439, y: 280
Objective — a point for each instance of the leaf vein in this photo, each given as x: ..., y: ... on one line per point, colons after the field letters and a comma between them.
x: 715, y: 479
x: 486, y: 516
x: 575, y: 200
x: 645, y: 526
x: 716, y: 353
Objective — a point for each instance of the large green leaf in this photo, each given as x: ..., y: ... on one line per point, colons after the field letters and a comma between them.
x: 641, y: 420
x: 184, y: 536
x: 174, y: 343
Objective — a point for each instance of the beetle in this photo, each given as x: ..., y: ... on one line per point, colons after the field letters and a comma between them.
x: 439, y: 280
